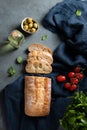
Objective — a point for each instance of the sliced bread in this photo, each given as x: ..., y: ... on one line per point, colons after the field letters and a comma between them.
x: 39, y: 47
x: 38, y: 66
x: 38, y: 55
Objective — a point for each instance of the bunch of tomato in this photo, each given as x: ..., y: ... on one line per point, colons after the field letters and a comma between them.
x: 72, y: 79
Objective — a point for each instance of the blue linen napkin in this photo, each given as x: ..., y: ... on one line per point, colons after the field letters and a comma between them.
x: 17, y: 120
x: 61, y: 19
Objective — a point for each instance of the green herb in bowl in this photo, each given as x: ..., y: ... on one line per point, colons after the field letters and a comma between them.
x: 75, y: 117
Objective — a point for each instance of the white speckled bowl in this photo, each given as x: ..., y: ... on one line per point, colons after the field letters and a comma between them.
x: 25, y: 25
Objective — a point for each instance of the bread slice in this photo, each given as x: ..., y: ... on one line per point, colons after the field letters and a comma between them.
x: 39, y: 47
x: 38, y: 55
x: 38, y: 66
x: 37, y: 96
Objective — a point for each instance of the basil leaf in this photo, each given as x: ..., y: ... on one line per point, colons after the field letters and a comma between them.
x: 78, y: 13
x: 11, y: 71
x: 84, y: 121
x: 19, y: 59
x: 44, y: 37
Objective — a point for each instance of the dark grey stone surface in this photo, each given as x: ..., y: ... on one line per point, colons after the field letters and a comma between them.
x: 11, y: 14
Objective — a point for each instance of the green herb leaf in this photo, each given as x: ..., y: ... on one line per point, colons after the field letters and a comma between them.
x: 78, y: 13
x: 44, y: 37
x: 11, y: 71
x: 19, y: 59
x: 75, y: 116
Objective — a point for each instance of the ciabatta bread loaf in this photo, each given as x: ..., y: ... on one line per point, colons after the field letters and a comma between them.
x: 37, y: 96
x: 38, y: 55
x: 38, y: 66
x: 39, y: 47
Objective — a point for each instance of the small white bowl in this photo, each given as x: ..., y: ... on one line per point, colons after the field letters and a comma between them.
x: 29, y: 25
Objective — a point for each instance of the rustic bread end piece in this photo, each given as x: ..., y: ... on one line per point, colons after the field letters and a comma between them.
x: 37, y: 96
x: 39, y: 47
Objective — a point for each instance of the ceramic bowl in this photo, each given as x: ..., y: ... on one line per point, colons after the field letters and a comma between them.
x: 29, y: 25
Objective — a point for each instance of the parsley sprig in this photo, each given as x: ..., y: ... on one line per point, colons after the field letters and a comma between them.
x: 75, y: 117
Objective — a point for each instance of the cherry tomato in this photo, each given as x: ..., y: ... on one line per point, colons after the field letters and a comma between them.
x: 74, y: 81
x: 67, y: 85
x: 79, y: 76
x: 77, y: 69
x: 73, y: 87
x: 61, y: 78
x: 71, y: 74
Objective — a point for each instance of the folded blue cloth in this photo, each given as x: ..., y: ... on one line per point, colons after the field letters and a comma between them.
x: 61, y: 19
x: 17, y: 120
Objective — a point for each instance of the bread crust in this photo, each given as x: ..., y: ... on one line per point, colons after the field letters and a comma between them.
x: 37, y: 96
x: 38, y: 66
x: 40, y: 47
x: 38, y: 55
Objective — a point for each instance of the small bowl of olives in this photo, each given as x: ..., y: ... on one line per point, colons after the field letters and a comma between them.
x: 29, y: 25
